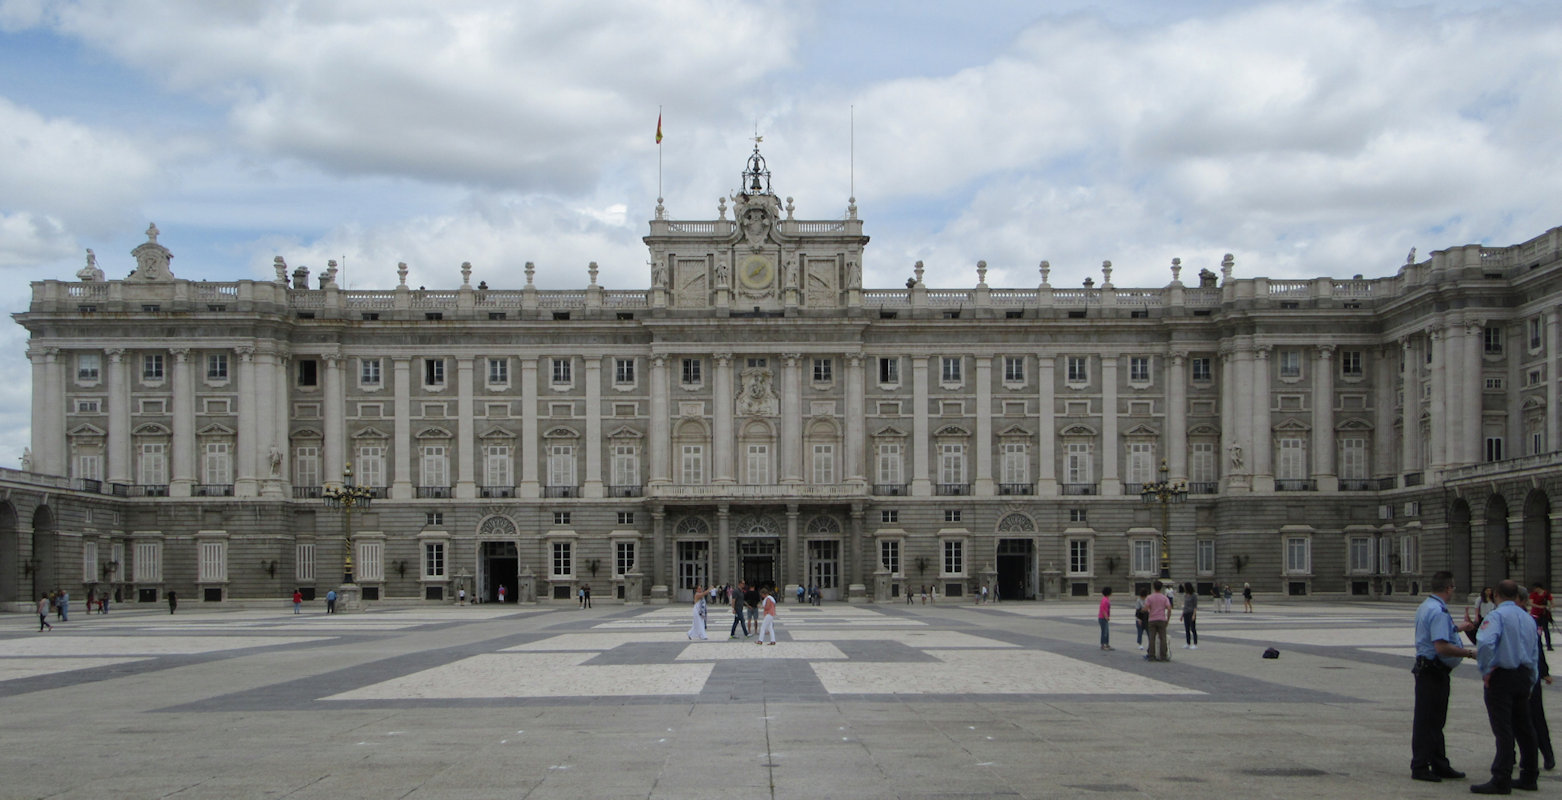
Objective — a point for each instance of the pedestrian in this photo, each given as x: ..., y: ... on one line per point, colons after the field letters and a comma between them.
x: 1537, y: 711
x: 737, y: 613
x: 1141, y: 615
x: 924, y: 594
x: 1438, y: 651
x: 751, y: 607
x: 1509, y: 660
x: 461, y: 596
x: 801, y: 591
x: 1158, y: 609
x: 1247, y: 598
x: 697, y: 627
x: 767, y: 624
x: 501, y: 593
x: 586, y: 594
x: 1104, y: 616
x: 1540, y: 609
x: 65, y: 605
x: 173, y: 602
x: 330, y: 601
x: 983, y: 599
x: 43, y: 612
x: 911, y: 596
x: 934, y: 594
x: 1484, y: 606
x: 103, y: 603
x: 298, y: 601
x: 1225, y: 597
x: 1190, y: 618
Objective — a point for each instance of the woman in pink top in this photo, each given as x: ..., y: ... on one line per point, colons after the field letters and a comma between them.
x: 1104, y: 615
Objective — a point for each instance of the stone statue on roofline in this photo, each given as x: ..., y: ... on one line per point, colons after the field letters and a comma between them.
x: 90, y: 273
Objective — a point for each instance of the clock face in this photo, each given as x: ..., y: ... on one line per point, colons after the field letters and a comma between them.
x: 756, y: 272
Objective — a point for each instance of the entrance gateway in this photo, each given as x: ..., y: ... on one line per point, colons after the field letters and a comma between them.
x: 1017, y: 569
x: 757, y: 561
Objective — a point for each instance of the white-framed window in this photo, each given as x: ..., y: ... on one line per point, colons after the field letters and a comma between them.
x: 1141, y: 462
x: 691, y: 464
x: 1537, y: 443
x: 757, y: 464
x: 1204, y: 556
x: 1359, y: 555
x: 1410, y: 554
x: 953, y: 514
x: 824, y: 464
x: 1015, y: 467
x: 1353, y: 458
x: 89, y: 466
x: 951, y: 462
x: 954, y: 557
x: 692, y: 372
x: 623, y: 558
x: 89, y: 405
x: 154, y: 464
x: 306, y: 466
x: 1079, y: 558
x: 949, y: 369
x: 889, y: 370
x: 1298, y: 555
x: 496, y: 465
x: 436, y: 466
x: 561, y: 519
x: 626, y: 517
x: 626, y: 465
x: 1013, y: 369
x: 1076, y: 463
x: 1139, y: 369
x: 370, y: 467
x: 1078, y: 369
x: 434, y: 560
x: 304, y: 561
x: 561, y: 465
x: 824, y: 563
x: 1079, y: 515
x: 433, y: 372
x: 213, y: 567
x: 216, y: 366
x: 889, y: 463
x: 89, y: 562
x: 624, y: 371
x: 149, y: 562
x: 1292, y: 462
x: 1350, y: 364
x: 1492, y: 339
x: 371, y: 560
x: 889, y: 556
x: 1494, y: 448
x: 88, y: 367
x: 1142, y: 554
x: 824, y: 370
x: 563, y: 559
x: 1201, y: 369
x: 1290, y: 363
x: 562, y: 373
x: 1201, y: 462
x: 369, y: 372
x: 498, y: 371
x: 433, y: 519
x: 218, y: 467
x: 152, y: 367
x: 693, y: 563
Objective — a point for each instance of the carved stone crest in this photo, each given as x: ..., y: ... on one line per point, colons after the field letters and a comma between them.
x: 756, y: 226
x: 758, y: 398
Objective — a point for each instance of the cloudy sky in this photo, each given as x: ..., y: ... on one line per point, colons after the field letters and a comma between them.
x: 1307, y: 138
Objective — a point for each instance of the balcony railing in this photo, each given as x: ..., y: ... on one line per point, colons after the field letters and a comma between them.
x: 630, y: 490
x: 212, y: 490
x: 1080, y: 488
x: 952, y: 489
x: 433, y: 492
x: 496, y: 491
x: 1412, y: 479
x: 307, y: 492
x: 149, y: 490
x: 1203, y: 487
x: 378, y: 492
x: 891, y: 489
x: 1366, y: 484
x: 1296, y: 485
x: 1131, y: 489
x: 561, y: 491
x: 1016, y: 488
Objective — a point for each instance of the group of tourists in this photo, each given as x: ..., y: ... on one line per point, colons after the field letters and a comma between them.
x: 748, y: 603
x: 1152, y: 615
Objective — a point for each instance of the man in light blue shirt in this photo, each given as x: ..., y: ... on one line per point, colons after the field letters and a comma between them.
x: 1508, y: 654
x: 1438, y: 650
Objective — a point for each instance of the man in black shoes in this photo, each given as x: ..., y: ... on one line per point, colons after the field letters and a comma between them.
x: 1510, y: 664
x: 1438, y: 651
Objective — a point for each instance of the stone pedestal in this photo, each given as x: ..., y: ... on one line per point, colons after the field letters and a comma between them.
x: 349, y: 597
x: 634, y: 585
x: 990, y: 580
x: 857, y: 593
x: 881, y: 585
x: 526, y: 587
x: 1051, y: 583
x: 659, y: 594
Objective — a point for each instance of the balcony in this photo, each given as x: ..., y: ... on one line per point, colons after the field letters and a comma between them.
x: 952, y: 489
x: 630, y: 490
x: 496, y: 491
x: 213, y: 490
x: 304, y: 492
x: 891, y: 489
x: 1203, y: 487
x: 561, y: 491
x: 1133, y: 488
x: 1080, y: 488
x: 1366, y: 484
x: 1296, y: 485
x: 433, y: 492
x: 149, y: 490
x: 761, y: 492
x: 1016, y: 488
x: 378, y: 492
x: 1412, y: 479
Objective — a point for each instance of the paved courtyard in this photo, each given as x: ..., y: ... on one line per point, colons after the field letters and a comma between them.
x: 1010, y: 700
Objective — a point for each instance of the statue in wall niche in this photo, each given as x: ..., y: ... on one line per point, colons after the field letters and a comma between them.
x: 1236, y: 458
x: 853, y: 274
x: 659, y: 276
x: 789, y: 275
x: 275, y: 457
x: 721, y: 275
x: 759, y: 395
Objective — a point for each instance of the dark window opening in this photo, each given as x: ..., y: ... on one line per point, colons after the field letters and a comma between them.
x: 560, y: 316
x: 308, y: 372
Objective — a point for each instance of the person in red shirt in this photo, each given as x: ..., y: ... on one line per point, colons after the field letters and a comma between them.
x: 1540, y: 609
x: 1104, y: 615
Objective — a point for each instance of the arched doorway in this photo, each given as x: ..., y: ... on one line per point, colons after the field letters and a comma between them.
x: 1459, y: 556
x: 11, y: 573
x: 46, y: 557
x: 1537, y: 538
x: 1496, y: 539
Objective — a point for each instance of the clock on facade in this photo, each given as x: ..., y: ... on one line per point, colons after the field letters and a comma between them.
x: 756, y: 272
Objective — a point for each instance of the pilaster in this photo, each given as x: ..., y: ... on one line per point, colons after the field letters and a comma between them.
x: 592, y: 488
x: 722, y: 449
x: 1177, y: 415
x: 1262, y: 428
x: 920, y: 442
x: 1111, y: 479
x: 660, y: 428
x: 1323, y: 420
x: 466, y: 434
x: 1046, y: 426
x: 401, y: 428
x: 530, y: 449
x: 183, y: 456
x: 791, y: 419
x: 856, y: 417
x: 335, y: 410
x: 983, y: 486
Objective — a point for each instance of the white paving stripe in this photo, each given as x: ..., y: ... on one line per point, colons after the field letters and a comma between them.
x: 989, y: 672
x: 1322, y: 637
x: 930, y: 639
x: 143, y: 646
x: 537, y: 675
x: 716, y: 651
x: 594, y: 642
x: 14, y: 668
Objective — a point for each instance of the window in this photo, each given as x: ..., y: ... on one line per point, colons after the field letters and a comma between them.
x: 757, y: 464
x: 149, y: 562
x: 1290, y: 364
x: 433, y: 559
x: 434, y: 472
x: 692, y: 465
x: 1204, y: 556
x: 1492, y: 337
x: 562, y: 375
x: 889, y: 370
x: 623, y: 371
x: 498, y: 371
x: 1360, y: 554
x: 496, y: 465
x: 1494, y: 383
x: 1141, y: 462
x: 1537, y: 443
x: 1142, y: 554
x: 691, y: 372
x: 1079, y: 515
x: 1410, y: 554
x: 308, y: 372
x: 561, y: 465
x: 949, y: 371
x: 693, y: 564
x: 1016, y: 463
x: 1079, y: 556
x: 889, y: 464
x: 216, y: 366
x: 889, y: 517
x: 1353, y: 458
x: 1201, y: 369
x: 213, y: 566
x: 88, y: 406
x: 824, y: 370
x: 1494, y: 448
x: 218, y: 469
x: 1139, y: 369
x: 369, y: 371
x: 954, y: 557
x: 1013, y: 369
x: 89, y: 466
x: 561, y: 517
x: 1078, y: 370
x: 753, y: 363
x: 371, y: 561
x: 951, y: 463
x: 623, y: 558
x: 304, y: 562
x: 626, y: 465
x: 88, y: 366
x: 154, y: 464
x: 433, y: 372
x: 626, y: 517
x: 1350, y: 363
x: 1292, y: 463
x: 306, y: 466
x: 433, y: 519
x: 563, y: 559
x: 1201, y: 463
x: 89, y: 562
x: 824, y: 464
x: 953, y: 515
x: 1298, y: 555
x: 889, y: 555
x: 371, y: 465
x: 152, y: 367
x: 1537, y: 328
x: 1076, y: 463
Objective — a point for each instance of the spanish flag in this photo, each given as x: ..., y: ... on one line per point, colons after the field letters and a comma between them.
x: 658, y: 128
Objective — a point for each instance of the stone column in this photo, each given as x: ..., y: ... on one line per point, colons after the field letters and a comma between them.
x: 1046, y: 425
x: 1553, y: 344
x: 920, y: 435
x: 1323, y: 420
x: 1452, y: 359
x: 593, y: 485
x: 723, y: 543
x: 1474, y: 384
x: 794, y: 553
x: 984, y: 427
x: 1438, y: 418
x: 335, y: 401
x: 792, y: 419
x: 401, y: 428
x: 1111, y: 479
x: 249, y: 431
x: 530, y: 446
x: 1383, y: 389
x: 1230, y: 426
x: 1177, y: 415
x: 857, y: 588
x: 661, y: 576
x: 1410, y: 410
x: 724, y: 470
x: 50, y: 454
x: 266, y: 413
x: 183, y: 458
x: 466, y: 435
x: 856, y: 418
x: 1263, y: 435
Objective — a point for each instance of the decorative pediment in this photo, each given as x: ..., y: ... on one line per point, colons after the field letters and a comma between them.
x: 1141, y: 431
x: 497, y: 432
x: 307, y: 433
x: 625, y: 432
x: 150, y: 429
x: 433, y: 432
x: 1534, y: 401
x: 951, y: 431
x: 561, y: 432
x: 86, y: 429
x: 1015, y: 432
x: 370, y: 432
x: 1079, y: 430
x: 889, y: 432
x: 1293, y: 424
x: 1203, y: 430
x: 216, y: 429
x: 1354, y: 424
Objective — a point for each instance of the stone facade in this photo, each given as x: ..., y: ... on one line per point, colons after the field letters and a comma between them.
x: 757, y: 413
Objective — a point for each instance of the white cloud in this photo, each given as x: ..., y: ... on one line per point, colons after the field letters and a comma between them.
x: 59, y: 172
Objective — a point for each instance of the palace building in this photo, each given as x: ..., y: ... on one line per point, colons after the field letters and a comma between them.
x: 756, y: 413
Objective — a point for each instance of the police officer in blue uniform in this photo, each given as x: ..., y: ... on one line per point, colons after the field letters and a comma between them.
x: 1509, y: 660
x: 1438, y: 651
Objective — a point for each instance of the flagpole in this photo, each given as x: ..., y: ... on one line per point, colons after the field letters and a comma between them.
x: 658, y: 154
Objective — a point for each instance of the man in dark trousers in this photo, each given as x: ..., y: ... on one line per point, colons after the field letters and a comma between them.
x: 1438, y: 651
x: 735, y: 596
x: 1509, y: 661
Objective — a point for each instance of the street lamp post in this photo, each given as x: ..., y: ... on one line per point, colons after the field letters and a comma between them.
x: 348, y: 497
x: 1165, y: 492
